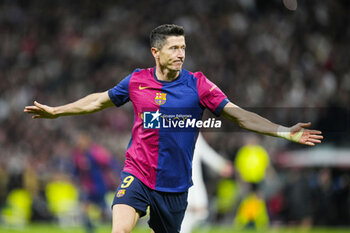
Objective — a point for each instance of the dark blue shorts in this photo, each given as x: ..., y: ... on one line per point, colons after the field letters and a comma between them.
x: 167, y: 210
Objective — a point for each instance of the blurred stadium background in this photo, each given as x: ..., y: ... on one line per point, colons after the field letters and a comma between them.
x: 287, y: 59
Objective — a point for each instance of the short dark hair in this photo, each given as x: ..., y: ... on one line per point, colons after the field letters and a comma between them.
x: 159, y: 35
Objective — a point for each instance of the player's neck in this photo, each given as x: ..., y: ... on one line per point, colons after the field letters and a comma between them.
x: 164, y: 74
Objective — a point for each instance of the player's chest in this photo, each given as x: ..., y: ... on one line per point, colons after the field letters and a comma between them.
x: 150, y: 96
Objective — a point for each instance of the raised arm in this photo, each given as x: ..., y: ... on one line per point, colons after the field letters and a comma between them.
x: 89, y: 104
x: 253, y: 122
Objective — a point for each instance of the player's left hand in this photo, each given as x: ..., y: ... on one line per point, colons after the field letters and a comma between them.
x: 300, y: 134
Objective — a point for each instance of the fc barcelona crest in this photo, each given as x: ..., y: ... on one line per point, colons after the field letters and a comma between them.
x: 160, y: 98
x: 121, y: 193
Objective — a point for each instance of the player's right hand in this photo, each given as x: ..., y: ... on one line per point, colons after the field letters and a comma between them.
x: 40, y: 111
x: 227, y: 170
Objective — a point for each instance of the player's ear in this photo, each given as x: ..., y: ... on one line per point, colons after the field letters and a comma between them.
x: 155, y: 52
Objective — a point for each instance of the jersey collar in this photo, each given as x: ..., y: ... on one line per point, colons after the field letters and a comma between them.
x: 177, y: 79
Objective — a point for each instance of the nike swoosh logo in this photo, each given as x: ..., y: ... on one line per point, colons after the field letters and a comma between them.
x: 212, y: 88
x: 141, y: 88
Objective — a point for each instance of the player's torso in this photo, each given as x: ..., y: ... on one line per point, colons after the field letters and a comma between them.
x: 164, y: 155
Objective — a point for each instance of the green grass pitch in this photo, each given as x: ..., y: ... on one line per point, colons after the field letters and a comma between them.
x: 53, y: 228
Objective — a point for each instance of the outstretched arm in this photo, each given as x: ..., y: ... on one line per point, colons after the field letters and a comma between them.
x: 253, y: 122
x: 89, y: 104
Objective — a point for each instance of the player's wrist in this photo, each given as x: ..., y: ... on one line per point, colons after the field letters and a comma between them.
x: 283, y: 132
x: 55, y: 112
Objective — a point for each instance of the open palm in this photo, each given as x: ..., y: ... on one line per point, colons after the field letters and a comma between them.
x: 305, y: 136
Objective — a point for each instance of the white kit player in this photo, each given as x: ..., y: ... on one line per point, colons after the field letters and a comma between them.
x: 197, y: 209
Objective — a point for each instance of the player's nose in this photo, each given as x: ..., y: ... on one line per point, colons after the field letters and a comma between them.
x: 181, y: 54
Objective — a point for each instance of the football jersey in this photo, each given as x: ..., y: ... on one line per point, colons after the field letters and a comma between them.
x: 161, y: 157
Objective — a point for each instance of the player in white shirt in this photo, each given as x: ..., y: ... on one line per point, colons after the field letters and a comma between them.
x: 197, y: 209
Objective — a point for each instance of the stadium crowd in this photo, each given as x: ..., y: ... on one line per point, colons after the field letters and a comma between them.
x: 261, y: 54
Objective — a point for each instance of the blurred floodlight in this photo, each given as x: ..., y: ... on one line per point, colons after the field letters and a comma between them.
x: 290, y: 4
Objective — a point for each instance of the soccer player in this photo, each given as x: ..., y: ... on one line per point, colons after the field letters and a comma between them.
x: 97, y: 172
x: 158, y: 163
x: 197, y: 209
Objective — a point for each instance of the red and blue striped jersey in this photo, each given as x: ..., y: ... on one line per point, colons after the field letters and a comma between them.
x: 161, y: 157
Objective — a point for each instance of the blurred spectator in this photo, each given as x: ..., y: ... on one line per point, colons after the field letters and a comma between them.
x: 298, y: 199
x: 330, y: 198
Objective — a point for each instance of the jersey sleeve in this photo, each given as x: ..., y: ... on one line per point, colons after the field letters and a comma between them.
x: 120, y: 93
x: 210, y: 95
